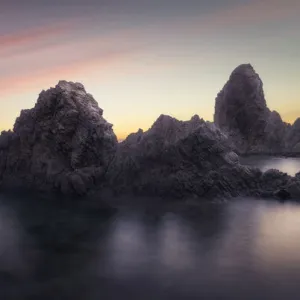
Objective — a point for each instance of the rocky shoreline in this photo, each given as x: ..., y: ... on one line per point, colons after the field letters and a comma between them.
x: 64, y: 145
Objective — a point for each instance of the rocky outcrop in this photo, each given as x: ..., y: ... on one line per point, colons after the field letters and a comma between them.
x: 62, y: 144
x: 172, y: 158
x: 187, y: 159
x: 293, y: 137
x: 241, y: 111
x: 178, y: 159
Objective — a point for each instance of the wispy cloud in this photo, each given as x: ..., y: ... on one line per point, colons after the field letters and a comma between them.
x: 71, y: 70
x: 256, y: 11
x: 34, y: 39
x: 237, y: 16
x: 23, y: 38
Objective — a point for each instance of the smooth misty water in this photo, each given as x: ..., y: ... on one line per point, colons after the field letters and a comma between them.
x: 243, y: 249
x: 289, y: 165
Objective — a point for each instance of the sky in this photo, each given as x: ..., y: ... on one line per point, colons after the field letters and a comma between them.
x: 143, y: 58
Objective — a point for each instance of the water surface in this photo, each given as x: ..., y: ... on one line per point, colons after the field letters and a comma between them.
x: 242, y: 249
x: 290, y: 165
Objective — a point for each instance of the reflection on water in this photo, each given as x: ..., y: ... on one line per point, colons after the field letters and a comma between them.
x: 245, y: 249
x: 290, y: 165
x: 279, y: 251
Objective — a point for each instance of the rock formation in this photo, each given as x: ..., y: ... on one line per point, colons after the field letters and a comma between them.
x: 189, y: 159
x: 62, y: 144
x: 241, y: 111
x: 293, y: 137
x: 172, y: 158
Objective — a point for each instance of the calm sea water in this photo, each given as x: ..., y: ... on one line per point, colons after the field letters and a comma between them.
x: 243, y: 249
x: 288, y: 165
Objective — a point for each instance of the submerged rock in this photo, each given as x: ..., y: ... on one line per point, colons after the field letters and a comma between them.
x: 60, y: 144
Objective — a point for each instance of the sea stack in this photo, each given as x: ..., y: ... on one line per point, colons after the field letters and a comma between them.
x: 241, y: 112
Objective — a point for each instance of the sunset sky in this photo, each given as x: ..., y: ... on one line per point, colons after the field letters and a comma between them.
x: 141, y: 58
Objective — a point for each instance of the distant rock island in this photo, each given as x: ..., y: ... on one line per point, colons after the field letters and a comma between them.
x: 241, y: 112
x: 64, y: 145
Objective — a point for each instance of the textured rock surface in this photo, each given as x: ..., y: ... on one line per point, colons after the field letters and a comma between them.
x: 241, y: 111
x: 190, y: 159
x: 62, y: 144
x: 172, y: 158
x: 293, y: 137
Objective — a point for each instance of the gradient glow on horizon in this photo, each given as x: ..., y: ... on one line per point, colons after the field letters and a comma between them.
x: 142, y: 58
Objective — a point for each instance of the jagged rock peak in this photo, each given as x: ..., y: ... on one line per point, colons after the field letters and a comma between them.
x: 69, y: 85
x: 165, y: 126
x: 195, y: 118
x: 133, y: 138
x: 244, y: 69
x: 72, y: 95
x: 242, y: 112
x: 163, y: 120
x: 241, y: 107
x: 171, y: 129
x: 246, y: 76
x: 140, y: 131
x: 69, y: 105
x: 195, y: 121
x: 65, y: 133
x: 168, y: 121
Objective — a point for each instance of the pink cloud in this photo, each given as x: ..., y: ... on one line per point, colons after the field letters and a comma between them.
x: 42, y: 77
x: 23, y: 38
